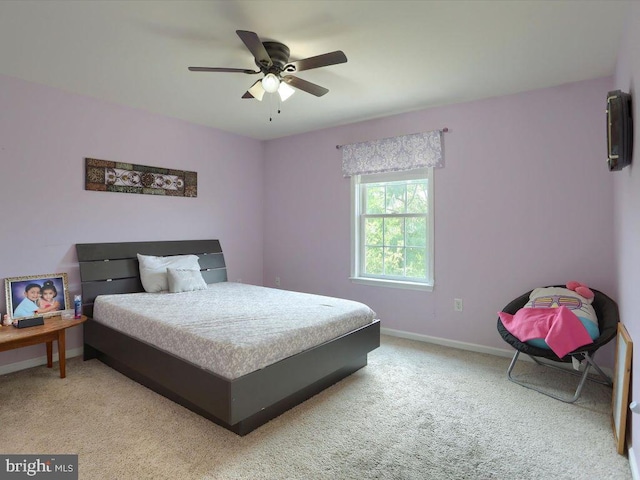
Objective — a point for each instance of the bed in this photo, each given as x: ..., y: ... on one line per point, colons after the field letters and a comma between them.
x: 240, y: 400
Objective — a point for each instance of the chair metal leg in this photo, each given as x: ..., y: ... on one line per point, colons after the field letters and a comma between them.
x: 590, y: 361
x: 583, y: 377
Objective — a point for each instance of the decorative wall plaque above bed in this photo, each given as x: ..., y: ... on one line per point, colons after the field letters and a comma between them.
x: 107, y: 176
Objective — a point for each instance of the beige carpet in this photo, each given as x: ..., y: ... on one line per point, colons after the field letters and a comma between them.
x: 417, y: 411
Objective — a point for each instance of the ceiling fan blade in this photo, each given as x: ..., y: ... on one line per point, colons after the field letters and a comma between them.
x: 255, y: 91
x: 221, y: 69
x: 255, y: 46
x: 318, y: 61
x: 308, y: 87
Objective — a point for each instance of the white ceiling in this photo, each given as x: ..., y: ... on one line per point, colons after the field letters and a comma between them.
x: 402, y: 55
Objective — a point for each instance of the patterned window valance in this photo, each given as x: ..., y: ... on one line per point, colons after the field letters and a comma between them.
x: 393, y: 154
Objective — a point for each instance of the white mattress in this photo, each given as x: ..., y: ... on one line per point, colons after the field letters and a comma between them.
x: 232, y: 329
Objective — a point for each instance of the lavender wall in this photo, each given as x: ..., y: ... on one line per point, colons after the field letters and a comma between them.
x: 524, y: 200
x: 627, y: 208
x: 45, y: 134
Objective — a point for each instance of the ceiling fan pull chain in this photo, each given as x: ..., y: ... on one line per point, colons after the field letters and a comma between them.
x: 271, y: 108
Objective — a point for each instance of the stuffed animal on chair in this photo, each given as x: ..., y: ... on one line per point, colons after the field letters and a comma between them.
x: 581, y: 289
x: 577, y: 297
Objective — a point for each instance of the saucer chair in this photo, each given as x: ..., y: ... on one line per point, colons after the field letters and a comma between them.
x: 606, y: 311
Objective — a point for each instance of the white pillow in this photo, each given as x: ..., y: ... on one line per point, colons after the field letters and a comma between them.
x: 153, y: 270
x: 185, y: 280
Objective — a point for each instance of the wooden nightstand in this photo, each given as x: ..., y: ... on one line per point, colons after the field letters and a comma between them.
x: 53, y: 330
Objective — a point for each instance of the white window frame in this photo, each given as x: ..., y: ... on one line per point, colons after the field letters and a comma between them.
x: 357, y: 247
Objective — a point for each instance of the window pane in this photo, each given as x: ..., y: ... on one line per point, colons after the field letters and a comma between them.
x: 373, y: 231
x: 373, y: 264
x: 416, y: 262
x: 417, y: 197
x: 416, y: 232
x: 394, y: 231
x: 375, y: 199
x: 396, y: 197
x: 394, y: 261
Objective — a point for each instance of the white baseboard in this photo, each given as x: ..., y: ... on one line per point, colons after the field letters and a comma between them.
x: 472, y: 347
x: 36, y: 362
x: 635, y: 474
x: 501, y: 352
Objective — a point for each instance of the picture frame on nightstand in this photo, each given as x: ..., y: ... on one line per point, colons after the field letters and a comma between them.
x: 37, y: 295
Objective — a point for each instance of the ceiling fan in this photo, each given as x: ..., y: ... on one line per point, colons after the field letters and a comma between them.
x: 272, y: 59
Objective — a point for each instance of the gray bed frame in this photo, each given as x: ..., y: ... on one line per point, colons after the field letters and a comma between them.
x: 240, y: 405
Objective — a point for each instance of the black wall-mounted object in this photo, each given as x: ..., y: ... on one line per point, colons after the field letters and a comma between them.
x: 619, y: 130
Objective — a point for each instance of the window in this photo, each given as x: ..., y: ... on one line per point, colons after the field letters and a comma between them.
x: 392, y: 229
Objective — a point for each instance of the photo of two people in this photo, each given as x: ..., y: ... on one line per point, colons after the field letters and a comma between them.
x: 37, y: 295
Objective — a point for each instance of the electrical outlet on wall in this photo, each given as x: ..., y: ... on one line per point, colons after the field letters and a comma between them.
x: 457, y: 304
x: 277, y: 281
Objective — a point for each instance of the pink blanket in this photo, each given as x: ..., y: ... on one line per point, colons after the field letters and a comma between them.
x: 560, y: 327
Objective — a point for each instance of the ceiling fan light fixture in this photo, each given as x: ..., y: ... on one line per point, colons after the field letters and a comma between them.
x: 257, y: 90
x: 272, y: 60
x: 285, y: 91
x: 270, y: 83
